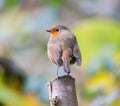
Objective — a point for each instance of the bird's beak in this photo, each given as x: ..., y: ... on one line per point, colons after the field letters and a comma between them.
x: 48, y: 31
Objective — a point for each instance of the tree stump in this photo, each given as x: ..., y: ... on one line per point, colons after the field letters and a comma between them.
x: 62, y: 91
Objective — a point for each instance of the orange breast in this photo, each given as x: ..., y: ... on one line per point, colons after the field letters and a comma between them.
x: 54, y: 34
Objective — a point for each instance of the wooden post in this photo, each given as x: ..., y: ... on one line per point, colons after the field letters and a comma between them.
x: 62, y: 91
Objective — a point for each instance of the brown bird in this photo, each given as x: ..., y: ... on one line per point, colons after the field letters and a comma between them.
x: 63, y: 48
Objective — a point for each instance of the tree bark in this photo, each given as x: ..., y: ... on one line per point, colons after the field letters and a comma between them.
x: 62, y: 91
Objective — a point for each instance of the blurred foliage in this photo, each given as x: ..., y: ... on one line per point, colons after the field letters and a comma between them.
x: 8, y: 96
x: 54, y: 2
x: 11, y: 3
x: 96, y: 34
x: 100, y: 47
x: 116, y: 102
x: 11, y: 98
x: 103, y: 82
x: 11, y: 86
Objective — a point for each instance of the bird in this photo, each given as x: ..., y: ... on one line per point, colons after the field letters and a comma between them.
x: 62, y: 48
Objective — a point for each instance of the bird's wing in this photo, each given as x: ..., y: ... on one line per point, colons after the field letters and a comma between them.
x: 55, y: 53
x: 77, y: 54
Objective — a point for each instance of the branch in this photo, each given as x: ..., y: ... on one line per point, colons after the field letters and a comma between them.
x: 62, y: 91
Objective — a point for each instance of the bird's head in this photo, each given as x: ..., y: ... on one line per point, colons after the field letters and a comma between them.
x: 57, y: 30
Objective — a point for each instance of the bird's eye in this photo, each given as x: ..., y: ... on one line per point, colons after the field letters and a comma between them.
x: 57, y: 30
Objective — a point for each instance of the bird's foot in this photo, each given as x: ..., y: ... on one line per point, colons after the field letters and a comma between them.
x: 57, y: 72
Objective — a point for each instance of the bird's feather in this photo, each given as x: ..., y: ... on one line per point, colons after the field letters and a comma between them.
x: 77, y: 54
x: 54, y: 53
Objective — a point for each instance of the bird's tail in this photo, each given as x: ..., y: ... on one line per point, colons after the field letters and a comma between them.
x: 66, y: 66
